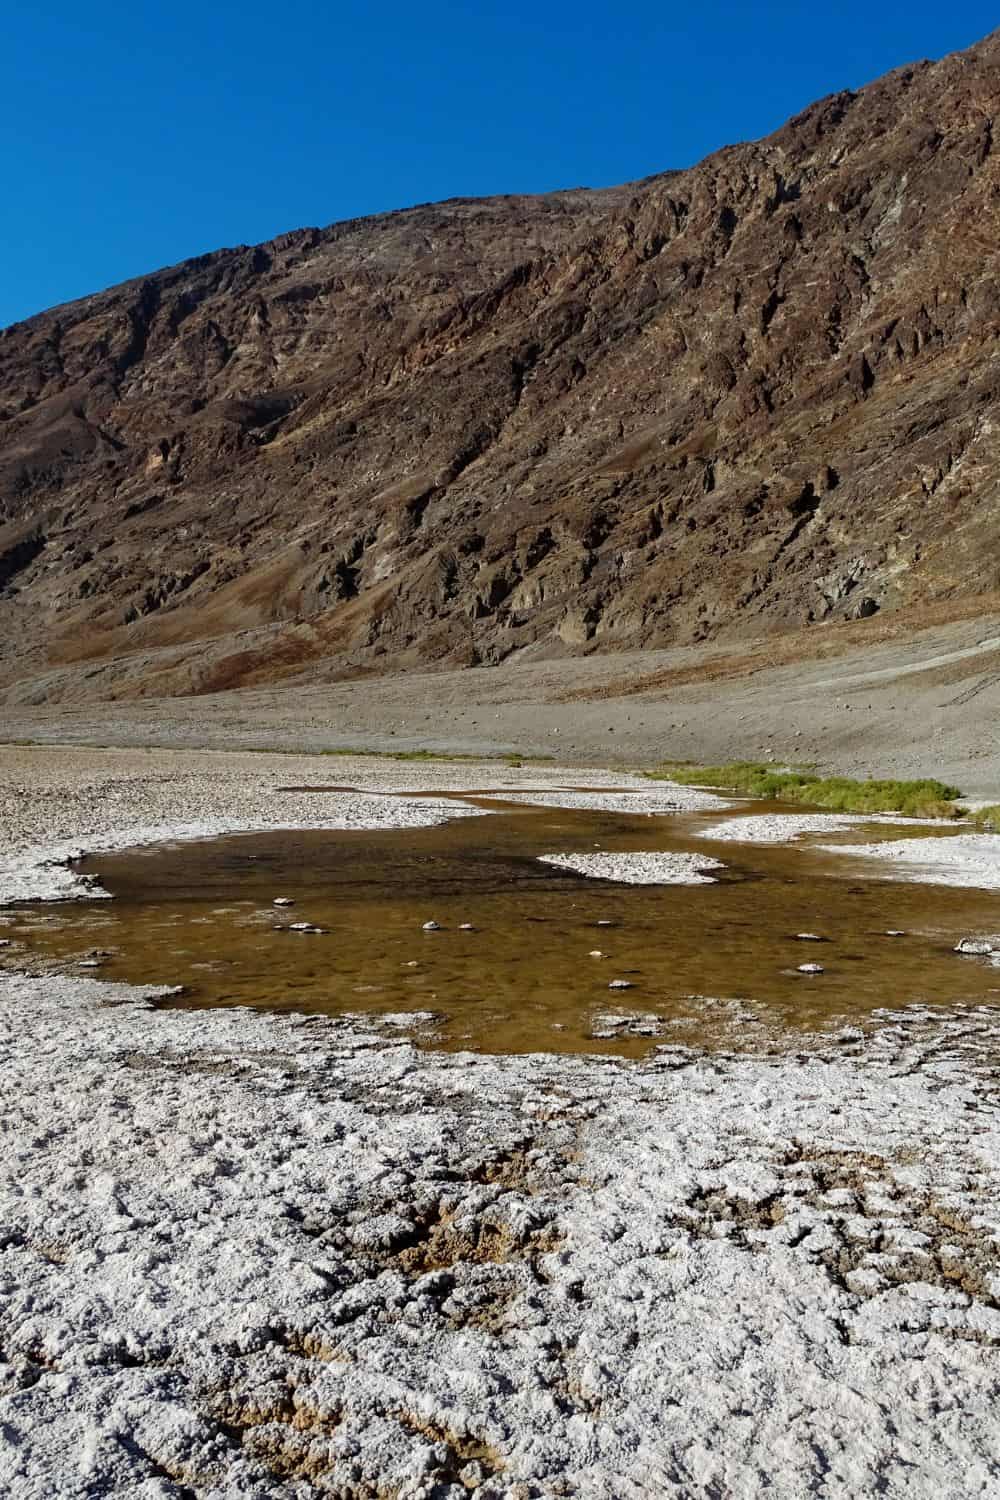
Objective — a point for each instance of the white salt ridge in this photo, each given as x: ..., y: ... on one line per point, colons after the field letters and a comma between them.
x: 778, y: 828
x: 662, y: 868
x: 784, y: 828
x: 962, y: 859
x: 206, y: 1220
x: 616, y: 1025
x: 666, y: 798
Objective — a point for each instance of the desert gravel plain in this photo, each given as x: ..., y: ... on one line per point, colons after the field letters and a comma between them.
x: 890, y: 698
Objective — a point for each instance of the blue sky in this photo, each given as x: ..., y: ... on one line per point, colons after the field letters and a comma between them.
x: 137, y: 134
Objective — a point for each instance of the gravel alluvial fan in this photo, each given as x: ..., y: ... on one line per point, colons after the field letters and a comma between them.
x: 754, y: 394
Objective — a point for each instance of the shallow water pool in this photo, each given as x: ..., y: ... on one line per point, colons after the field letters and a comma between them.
x: 708, y: 965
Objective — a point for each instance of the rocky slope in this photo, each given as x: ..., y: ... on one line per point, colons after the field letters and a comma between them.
x: 750, y: 396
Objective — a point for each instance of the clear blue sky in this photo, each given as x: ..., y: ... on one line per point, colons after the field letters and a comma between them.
x: 135, y: 134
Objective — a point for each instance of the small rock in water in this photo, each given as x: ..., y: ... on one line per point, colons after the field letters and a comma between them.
x: 466, y: 927
x: 811, y: 969
x: 620, y: 984
x: 432, y: 927
x: 982, y: 947
x: 605, y: 922
x: 809, y: 937
x: 895, y: 932
x: 89, y: 963
x: 595, y: 953
x: 4, y: 942
x: 283, y: 901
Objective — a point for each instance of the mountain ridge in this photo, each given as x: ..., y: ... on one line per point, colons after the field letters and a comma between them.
x: 753, y: 395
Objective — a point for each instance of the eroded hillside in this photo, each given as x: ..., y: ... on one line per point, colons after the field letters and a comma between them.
x: 750, y: 396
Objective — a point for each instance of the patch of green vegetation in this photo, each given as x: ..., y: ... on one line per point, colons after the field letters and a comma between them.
x: 987, y: 818
x: 913, y: 799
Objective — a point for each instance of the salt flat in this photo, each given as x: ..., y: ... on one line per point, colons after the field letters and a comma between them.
x: 256, y: 1255
x: 966, y: 859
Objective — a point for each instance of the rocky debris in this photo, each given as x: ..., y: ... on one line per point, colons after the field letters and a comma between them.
x: 283, y: 901
x: 613, y: 1026
x: 981, y: 946
x: 810, y: 937
x: 810, y: 969
x: 621, y: 984
x: 750, y: 395
x: 432, y: 926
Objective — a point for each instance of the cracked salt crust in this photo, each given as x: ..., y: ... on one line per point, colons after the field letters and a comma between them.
x: 258, y: 1255
x: 964, y: 859
x: 639, y: 869
x: 268, y: 1256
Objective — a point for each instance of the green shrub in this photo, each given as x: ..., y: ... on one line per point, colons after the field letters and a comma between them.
x: 915, y: 799
x: 987, y: 818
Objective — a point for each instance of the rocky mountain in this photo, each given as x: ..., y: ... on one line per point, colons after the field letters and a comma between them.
x: 751, y: 396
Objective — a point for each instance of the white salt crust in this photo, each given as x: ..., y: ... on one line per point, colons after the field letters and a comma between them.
x: 665, y: 798
x: 784, y: 828
x: 250, y: 1255
x: 963, y: 859
x: 777, y: 828
x: 269, y: 1256
x: 639, y: 869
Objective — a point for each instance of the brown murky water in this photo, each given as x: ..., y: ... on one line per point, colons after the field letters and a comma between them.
x: 707, y: 964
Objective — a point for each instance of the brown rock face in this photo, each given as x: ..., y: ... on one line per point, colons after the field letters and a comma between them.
x: 745, y: 397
